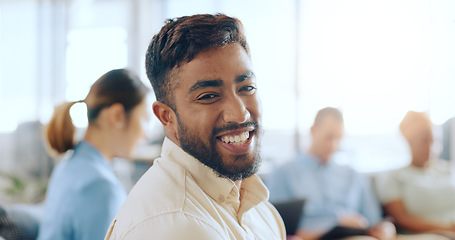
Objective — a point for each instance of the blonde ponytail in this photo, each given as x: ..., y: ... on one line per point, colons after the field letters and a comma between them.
x: 60, y: 129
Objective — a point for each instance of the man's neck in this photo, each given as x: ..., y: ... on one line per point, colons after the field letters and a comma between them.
x: 420, y: 164
x: 317, y: 156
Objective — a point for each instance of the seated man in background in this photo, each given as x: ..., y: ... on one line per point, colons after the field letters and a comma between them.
x: 421, y: 196
x: 335, y: 195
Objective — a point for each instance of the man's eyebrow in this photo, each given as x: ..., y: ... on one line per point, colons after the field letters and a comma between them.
x: 244, y: 77
x: 205, y: 83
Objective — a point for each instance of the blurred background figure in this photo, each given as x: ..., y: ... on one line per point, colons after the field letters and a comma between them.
x: 335, y: 195
x: 421, y: 196
x: 84, y: 193
x: 19, y: 218
x: 448, y: 134
x: 17, y: 225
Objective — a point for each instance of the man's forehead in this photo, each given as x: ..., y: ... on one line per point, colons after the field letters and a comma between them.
x: 237, y: 68
x: 204, y: 83
x: 329, y: 123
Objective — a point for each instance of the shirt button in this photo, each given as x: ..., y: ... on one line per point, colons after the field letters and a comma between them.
x: 221, y: 198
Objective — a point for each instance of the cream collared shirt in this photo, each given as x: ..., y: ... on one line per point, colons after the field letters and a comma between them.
x: 180, y: 198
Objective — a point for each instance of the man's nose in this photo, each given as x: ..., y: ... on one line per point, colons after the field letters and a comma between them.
x: 235, y: 110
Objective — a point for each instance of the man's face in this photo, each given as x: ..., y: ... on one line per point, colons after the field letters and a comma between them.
x: 420, y: 144
x: 219, y: 112
x: 326, y: 135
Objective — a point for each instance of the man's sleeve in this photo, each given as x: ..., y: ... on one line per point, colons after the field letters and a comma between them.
x: 94, y: 210
x: 370, y: 205
x: 172, y: 226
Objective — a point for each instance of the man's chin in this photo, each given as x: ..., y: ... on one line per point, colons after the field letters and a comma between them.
x: 239, y: 167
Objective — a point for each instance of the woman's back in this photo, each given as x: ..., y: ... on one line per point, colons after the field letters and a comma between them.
x: 90, y: 193
x: 84, y: 193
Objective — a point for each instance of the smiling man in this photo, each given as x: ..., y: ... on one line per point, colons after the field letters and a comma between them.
x: 204, y: 184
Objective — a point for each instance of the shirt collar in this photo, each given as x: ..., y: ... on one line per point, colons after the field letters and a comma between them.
x: 254, y: 192
x: 219, y: 188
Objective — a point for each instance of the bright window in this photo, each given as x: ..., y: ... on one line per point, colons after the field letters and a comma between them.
x: 90, y: 54
x: 375, y: 60
x: 18, y: 67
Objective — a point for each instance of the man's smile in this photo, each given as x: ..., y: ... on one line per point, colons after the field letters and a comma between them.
x: 237, y: 141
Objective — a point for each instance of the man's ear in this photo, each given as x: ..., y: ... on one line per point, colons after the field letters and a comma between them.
x: 167, y: 117
x: 116, y: 116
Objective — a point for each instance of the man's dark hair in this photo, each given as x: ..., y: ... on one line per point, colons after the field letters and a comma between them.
x: 180, y: 40
x: 328, y: 111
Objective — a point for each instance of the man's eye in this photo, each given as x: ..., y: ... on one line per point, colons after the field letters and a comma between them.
x: 208, y: 96
x: 247, y: 89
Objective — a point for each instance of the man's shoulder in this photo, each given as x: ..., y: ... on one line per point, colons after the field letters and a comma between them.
x: 167, y: 225
x: 159, y: 197
x: 150, y: 195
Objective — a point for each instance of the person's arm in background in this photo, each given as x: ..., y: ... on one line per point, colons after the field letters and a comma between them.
x: 398, y: 212
x: 371, y: 209
x: 308, y: 235
x: 389, y: 190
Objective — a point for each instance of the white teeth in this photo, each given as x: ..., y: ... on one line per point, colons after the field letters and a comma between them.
x: 244, y: 136
x: 237, y: 139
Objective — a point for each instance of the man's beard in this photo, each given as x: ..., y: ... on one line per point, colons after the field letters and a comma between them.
x: 209, y: 156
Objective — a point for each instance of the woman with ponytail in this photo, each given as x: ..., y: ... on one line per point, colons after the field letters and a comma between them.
x: 84, y: 194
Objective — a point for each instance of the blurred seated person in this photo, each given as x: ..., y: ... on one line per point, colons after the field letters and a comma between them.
x: 17, y: 225
x: 336, y: 195
x: 421, y: 196
x: 84, y: 193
